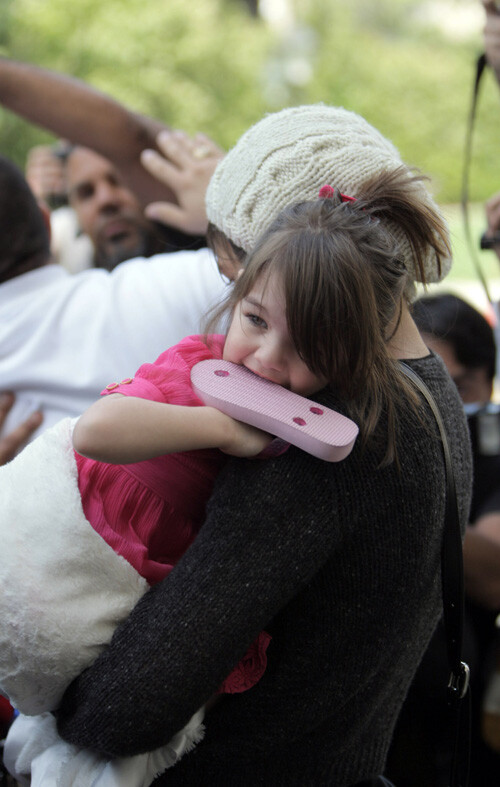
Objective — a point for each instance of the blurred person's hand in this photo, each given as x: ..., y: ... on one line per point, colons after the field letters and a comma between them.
x: 188, y: 165
x: 12, y: 443
x: 45, y: 174
x: 492, y: 211
x: 491, y: 35
x: 482, y: 563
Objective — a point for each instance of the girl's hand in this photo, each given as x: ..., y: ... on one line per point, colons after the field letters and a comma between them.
x: 243, y: 440
x: 186, y: 169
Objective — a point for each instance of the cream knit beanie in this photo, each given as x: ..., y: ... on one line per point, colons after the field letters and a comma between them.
x: 287, y: 157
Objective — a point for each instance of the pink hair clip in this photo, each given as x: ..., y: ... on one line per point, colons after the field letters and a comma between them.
x: 327, y: 192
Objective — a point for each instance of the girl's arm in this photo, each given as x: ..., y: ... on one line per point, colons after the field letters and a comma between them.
x: 124, y: 429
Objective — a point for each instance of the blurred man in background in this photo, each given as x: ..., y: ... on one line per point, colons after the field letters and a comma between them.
x: 64, y: 337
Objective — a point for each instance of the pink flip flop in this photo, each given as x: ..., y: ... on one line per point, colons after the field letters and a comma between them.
x: 246, y: 397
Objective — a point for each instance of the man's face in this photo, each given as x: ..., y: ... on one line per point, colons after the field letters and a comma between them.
x: 473, y: 384
x: 107, y: 210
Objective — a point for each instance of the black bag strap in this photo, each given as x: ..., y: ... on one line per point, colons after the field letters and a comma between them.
x: 481, y: 64
x: 453, y: 598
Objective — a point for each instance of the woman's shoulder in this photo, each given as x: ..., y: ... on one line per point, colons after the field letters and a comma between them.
x: 429, y: 366
x: 432, y: 370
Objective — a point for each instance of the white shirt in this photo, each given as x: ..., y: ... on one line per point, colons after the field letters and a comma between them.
x: 70, y: 248
x: 64, y: 337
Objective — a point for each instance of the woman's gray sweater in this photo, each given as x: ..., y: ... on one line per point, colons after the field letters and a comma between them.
x: 340, y: 563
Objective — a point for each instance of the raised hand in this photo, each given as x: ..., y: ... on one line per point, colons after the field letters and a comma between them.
x: 186, y: 168
x: 492, y: 210
x: 491, y: 35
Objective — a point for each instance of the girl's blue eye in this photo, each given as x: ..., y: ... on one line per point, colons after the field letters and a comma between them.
x: 257, y: 321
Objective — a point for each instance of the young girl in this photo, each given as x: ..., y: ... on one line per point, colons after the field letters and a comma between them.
x: 145, y: 506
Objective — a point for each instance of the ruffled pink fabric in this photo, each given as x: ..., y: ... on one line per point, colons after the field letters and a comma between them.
x: 150, y: 512
x: 250, y: 669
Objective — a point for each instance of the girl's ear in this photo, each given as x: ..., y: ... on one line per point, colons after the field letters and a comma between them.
x: 239, y: 273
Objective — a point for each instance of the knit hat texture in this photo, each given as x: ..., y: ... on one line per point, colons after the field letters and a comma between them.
x: 287, y: 156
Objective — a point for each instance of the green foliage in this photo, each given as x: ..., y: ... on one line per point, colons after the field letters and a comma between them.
x: 191, y: 66
x: 212, y: 66
x: 415, y: 85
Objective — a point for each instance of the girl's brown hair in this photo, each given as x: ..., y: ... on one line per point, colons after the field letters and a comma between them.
x: 344, y: 280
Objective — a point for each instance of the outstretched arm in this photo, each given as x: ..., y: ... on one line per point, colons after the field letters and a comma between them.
x: 75, y: 111
x: 123, y: 429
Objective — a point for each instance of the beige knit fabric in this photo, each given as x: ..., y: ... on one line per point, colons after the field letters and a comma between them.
x: 287, y: 157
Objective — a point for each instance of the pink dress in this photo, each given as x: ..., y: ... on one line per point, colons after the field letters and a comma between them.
x: 151, y: 511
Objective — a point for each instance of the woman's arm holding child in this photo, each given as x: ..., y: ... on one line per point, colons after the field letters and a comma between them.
x: 124, y: 429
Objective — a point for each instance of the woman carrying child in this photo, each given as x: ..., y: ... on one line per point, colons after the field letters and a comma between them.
x: 339, y: 563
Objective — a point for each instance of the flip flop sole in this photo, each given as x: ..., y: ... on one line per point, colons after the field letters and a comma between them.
x: 246, y: 397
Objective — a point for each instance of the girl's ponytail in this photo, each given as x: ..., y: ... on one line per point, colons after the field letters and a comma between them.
x: 400, y: 200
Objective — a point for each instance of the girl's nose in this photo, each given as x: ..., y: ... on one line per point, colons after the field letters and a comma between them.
x: 269, y: 355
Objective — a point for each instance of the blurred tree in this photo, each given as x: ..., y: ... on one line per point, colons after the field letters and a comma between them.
x: 5, y: 19
x: 252, y: 5
x: 195, y: 68
x: 412, y: 78
x: 218, y: 66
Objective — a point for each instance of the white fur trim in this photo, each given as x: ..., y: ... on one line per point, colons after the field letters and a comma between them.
x: 63, y: 590
x: 37, y: 756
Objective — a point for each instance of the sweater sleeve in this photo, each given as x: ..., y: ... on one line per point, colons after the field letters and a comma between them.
x: 261, y: 543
